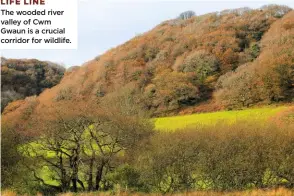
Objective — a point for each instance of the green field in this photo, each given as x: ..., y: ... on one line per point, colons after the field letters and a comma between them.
x: 210, y: 119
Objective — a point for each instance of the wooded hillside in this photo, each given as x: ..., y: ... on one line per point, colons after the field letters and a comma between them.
x: 230, y: 59
x: 24, y: 78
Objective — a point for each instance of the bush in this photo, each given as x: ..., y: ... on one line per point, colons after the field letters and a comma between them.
x: 64, y: 94
x: 150, y: 54
x: 238, y: 89
x: 246, y: 87
x: 171, y: 90
x: 178, y: 50
x: 201, y: 63
x: 252, y: 156
x: 255, y: 50
x: 136, y: 75
x: 125, y: 177
x: 9, y: 96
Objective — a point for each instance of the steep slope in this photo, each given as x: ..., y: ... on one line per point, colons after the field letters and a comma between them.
x: 174, y: 66
x: 270, y: 78
x: 24, y: 78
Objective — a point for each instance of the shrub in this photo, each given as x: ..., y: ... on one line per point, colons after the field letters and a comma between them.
x: 150, y: 54
x: 200, y: 62
x: 178, y: 50
x: 31, y: 104
x: 249, y: 85
x: 172, y: 90
x: 64, y: 94
x: 109, y: 64
x: 136, y: 75
x: 126, y: 177
x: 100, y: 92
x: 255, y: 50
x: 278, y: 82
x: 239, y: 89
x: 9, y: 96
x: 254, y: 155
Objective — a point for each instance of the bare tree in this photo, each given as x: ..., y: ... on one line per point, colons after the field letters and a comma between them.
x: 186, y: 15
x: 60, y: 150
x: 80, y: 150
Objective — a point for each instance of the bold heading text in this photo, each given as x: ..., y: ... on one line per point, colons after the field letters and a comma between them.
x: 22, y: 2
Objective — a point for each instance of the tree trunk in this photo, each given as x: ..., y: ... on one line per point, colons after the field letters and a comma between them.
x: 81, y: 184
x: 75, y: 177
x: 90, y: 179
x: 74, y: 185
x: 75, y: 170
x: 64, y: 180
x: 99, y: 176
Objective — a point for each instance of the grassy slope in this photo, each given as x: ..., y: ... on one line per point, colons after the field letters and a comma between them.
x: 210, y: 119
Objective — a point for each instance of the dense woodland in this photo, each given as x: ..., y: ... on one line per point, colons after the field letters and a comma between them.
x: 24, y: 78
x: 93, y: 132
x: 184, y: 64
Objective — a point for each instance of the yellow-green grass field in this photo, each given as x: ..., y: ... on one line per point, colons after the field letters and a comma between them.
x: 261, y: 115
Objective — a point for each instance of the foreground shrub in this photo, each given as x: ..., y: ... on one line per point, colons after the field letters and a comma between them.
x: 82, y: 154
x: 225, y: 157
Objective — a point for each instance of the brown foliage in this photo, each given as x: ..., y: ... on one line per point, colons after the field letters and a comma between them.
x: 270, y: 77
x: 151, y: 61
x: 251, y: 156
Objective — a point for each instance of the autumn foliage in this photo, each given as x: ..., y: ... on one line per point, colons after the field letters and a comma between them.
x: 92, y: 131
x: 270, y: 78
x: 186, y: 62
